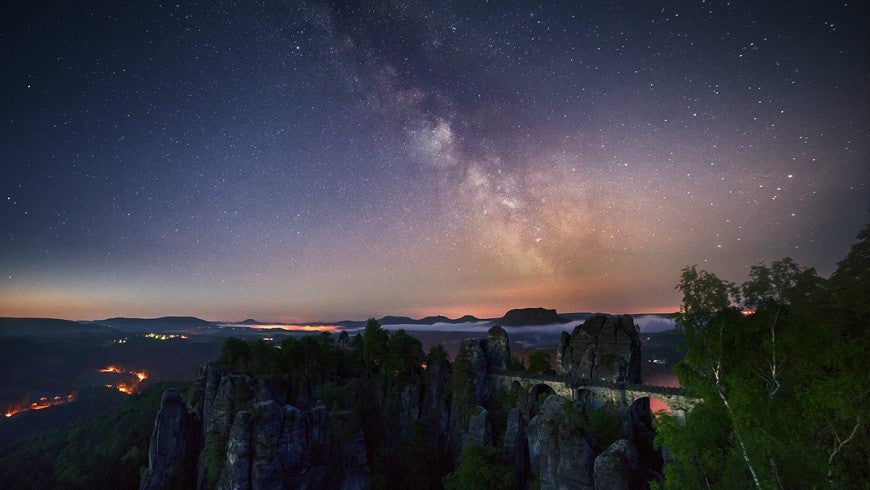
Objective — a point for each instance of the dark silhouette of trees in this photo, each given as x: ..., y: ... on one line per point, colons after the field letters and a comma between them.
x: 781, y: 365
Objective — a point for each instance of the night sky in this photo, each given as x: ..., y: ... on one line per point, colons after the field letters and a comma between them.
x: 303, y: 161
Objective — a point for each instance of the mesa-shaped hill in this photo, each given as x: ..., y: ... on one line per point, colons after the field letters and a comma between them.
x: 531, y: 316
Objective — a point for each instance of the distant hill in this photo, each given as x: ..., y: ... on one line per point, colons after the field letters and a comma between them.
x: 164, y: 324
x: 531, y: 316
x: 250, y: 321
x: 429, y: 320
x: 51, y: 327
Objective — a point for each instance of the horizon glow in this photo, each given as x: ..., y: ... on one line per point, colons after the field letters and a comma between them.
x: 316, y: 161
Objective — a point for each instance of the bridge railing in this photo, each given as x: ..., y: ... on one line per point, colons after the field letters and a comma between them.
x: 662, y: 390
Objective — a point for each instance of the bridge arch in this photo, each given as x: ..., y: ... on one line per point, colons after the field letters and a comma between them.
x: 538, y: 394
x: 653, y: 404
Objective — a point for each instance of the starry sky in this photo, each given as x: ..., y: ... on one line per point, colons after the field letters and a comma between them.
x: 301, y: 161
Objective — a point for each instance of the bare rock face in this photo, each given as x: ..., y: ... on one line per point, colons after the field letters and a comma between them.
x: 480, y: 427
x: 498, y: 349
x: 434, y: 403
x: 172, y: 441
x: 515, y: 444
x: 561, y: 455
x: 618, y: 468
x: 258, y: 442
x: 479, y: 366
x: 267, y: 461
x: 603, y: 348
x: 237, y: 467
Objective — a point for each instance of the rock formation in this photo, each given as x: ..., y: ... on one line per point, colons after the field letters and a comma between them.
x: 251, y: 441
x: 249, y: 432
x: 480, y: 427
x: 603, y: 348
x: 498, y: 349
x: 516, y: 445
x: 561, y: 455
x: 172, y: 441
x: 479, y: 367
x: 619, y: 468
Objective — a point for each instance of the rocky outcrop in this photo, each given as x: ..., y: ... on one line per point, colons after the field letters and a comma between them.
x: 516, y: 445
x: 619, y: 468
x: 561, y: 455
x: 531, y: 316
x: 604, y: 347
x: 237, y: 466
x: 479, y: 367
x: 172, y: 443
x: 251, y: 441
x: 480, y: 427
x: 267, y: 462
x: 498, y: 349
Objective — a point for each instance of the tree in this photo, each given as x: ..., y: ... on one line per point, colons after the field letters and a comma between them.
x: 405, y: 357
x: 539, y: 362
x: 462, y: 387
x: 784, y: 386
x: 235, y: 355
x: 375, y: 345
x: 480, y: 467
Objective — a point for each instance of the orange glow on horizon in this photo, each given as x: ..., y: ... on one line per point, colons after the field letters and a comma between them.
x: 297, y: 328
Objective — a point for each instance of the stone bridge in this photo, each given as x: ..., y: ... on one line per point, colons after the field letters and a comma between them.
x: 597, y: 393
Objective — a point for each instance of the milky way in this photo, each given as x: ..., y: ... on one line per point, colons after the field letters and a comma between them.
x: 316, y: 161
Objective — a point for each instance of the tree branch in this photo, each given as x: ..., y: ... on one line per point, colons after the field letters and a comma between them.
x: 839, y: 445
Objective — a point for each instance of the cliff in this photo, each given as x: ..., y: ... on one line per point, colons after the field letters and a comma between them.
x: 603, y: 348
x: 239, y: 437
x: 329, y: 414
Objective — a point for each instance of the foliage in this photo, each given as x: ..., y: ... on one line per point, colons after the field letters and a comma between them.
x: 212, y: 458
x: 462, y: 387
x: 375, y: 345
x: 603, y: 423
x: 437, y: 355
x: 500, y: 403
x: 516, y: 364
x: 784, y: 388
x: 105, y: 452
x: 539, y: 362
x: 480, y: 467
x: 235, y: 355
x: 405, y: 358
